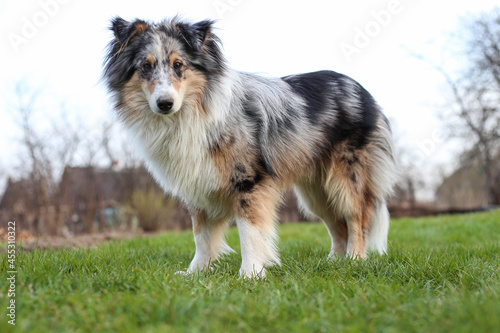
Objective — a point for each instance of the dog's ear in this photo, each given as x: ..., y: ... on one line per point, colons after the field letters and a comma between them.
x: 195, y: 35
x: 125, y: 31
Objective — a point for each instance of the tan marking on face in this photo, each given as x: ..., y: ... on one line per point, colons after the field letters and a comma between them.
x: 176, y: 81
x: 133, y: 99
x: 174, y: 56
x: 193, y: 85
x: 151, y: 86
x: 151, y: 59
x: 177, y: 84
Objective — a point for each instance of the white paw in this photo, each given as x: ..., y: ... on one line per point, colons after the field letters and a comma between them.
x: 336, y: 255
x: 195, y: 270
x: 356, y: 256
x: 258, y: 273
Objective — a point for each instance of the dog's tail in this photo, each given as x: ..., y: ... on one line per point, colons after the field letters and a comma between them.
x: 377, y: 236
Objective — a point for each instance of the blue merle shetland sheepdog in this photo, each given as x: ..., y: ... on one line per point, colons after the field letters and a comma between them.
x: 228, y: 143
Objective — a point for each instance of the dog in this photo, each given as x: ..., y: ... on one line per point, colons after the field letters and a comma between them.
x: 229, y: 143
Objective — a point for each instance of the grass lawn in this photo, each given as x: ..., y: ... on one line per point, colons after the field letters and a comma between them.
x: 441, y: 275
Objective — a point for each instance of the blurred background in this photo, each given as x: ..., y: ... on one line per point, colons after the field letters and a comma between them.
x: 67, y: 168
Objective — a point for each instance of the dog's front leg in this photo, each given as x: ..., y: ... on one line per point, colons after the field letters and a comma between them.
x: 258, y: 247
x: 209, y: 241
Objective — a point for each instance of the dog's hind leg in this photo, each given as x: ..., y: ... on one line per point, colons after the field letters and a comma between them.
x: 337, y: 228
x: 379, y: 228
x: 356, y: 242
x: 314, y: 202
x: 209, y: 241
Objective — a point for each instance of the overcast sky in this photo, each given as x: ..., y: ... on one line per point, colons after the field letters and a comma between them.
x: 57, y: 45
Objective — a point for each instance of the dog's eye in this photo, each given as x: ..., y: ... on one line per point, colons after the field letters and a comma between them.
x: 146, y: 68
x: 177, y: 65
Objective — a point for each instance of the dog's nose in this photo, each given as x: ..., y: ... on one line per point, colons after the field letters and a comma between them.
x: 165, y: 104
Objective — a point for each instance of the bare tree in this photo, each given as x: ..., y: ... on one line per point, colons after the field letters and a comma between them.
x: 68, y: 137
x: 474, y: 116
x: 410, y: 180
x: 57, y: 145
x: 38, y: 165
x: 106, y: 139
x: 481, y: 114
x: 45, y: 155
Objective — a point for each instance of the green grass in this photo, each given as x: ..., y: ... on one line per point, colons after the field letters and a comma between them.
x: 441, y: 275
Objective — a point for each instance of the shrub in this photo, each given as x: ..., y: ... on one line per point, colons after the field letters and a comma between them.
x: 152, y: 208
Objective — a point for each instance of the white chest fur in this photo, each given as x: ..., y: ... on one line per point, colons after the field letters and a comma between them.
x: 176, y: 152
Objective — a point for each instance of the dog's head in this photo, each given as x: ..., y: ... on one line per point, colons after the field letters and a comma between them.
x: 161, y: 67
